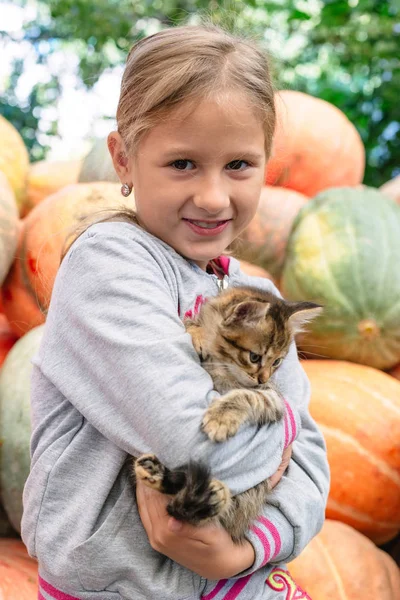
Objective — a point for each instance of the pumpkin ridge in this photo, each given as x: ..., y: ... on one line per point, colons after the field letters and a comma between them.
x: 377, y: 462
x: 356, y: 269
x: 334, y: 570
x: 385, y: 270
x: 334, y: 286
x: 393, y: 308
x: 363, y: 518
x: 387, y: 402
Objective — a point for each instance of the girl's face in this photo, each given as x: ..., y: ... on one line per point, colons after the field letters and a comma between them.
x: 197, y: 176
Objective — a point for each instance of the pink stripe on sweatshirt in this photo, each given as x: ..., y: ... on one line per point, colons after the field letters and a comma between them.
x: 266, y: 545
x: 292, y: 422
x: 275, y: 534
x: 56, y: 594
x: 286, y: 424
x: 237, y: 588
x: 215, y: 591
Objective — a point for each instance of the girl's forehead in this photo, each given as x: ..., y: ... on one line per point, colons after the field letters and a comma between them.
x: 215, y: 122
x: 228, y: 105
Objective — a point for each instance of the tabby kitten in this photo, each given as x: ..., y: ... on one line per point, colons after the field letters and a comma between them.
x: 241, y: 337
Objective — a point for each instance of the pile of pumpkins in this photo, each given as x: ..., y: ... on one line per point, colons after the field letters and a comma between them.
x: 320, y: 235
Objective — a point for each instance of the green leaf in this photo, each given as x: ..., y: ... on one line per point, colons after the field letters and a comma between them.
x: 299, y: 15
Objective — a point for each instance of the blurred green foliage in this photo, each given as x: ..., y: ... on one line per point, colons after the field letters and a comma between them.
x: 344, y: 51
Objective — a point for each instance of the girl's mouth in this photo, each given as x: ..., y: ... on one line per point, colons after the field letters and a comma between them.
x: 207, y: 227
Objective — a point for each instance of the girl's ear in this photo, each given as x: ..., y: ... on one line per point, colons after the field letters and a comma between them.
x: 119, y: 156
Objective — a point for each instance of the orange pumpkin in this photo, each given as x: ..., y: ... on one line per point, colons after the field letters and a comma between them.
x: 7, y: 338
x: 342, y: 563
x: 316, y: 146
x: 14, y: 160
x: 18, y: 572
x: 9, y: 225
x: 47, y: 177
x: 264, y: 240
x: 18, y: 299
x: 358, y: 410
x: 27, y: 290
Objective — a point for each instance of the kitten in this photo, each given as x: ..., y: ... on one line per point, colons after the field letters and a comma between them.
x: 241, y: 337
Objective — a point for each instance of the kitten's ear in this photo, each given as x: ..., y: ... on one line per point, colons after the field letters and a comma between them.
x: 302, y: 313
x: 249, y: 311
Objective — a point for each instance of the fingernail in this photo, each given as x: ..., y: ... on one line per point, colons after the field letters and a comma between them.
x: 174, y: 525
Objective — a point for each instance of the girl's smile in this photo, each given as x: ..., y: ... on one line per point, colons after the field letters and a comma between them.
x: 207, y: 227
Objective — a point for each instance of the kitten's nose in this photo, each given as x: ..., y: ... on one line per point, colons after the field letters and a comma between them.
x: 263, y: 377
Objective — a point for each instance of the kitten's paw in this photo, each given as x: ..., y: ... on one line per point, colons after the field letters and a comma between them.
x: 220, y: 497
x: 274, y: 406
x: 220, y: 425
x: 149, y: 469
x: 196, y: 506
x: 197, y: 340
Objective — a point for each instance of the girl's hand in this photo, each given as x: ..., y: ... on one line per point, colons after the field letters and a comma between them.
x: 286, y: 456
x: 207, y: 550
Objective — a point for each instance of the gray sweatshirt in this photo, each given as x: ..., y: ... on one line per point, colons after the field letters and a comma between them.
x: 116, y: 376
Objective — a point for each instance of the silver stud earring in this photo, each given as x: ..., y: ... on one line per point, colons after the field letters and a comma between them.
x: 125, y: 190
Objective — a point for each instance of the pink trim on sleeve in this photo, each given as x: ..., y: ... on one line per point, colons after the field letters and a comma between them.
x: 237, y: 588
x: 215, y: 591
x: 292, y: 423
x: 286, y: 425
x: 56, y: 594
x: 233, y: 589
x: 266, y: 545
x: 275, y: 535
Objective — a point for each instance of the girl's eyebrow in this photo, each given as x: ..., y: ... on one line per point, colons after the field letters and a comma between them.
x: 190, y: 152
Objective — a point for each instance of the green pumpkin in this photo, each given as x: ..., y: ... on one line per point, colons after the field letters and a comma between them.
x: 15, y: 426
x: 343, y: 252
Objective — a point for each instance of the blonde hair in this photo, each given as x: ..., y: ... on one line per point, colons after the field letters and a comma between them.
x: 182, y: 64
x: 186, y: 63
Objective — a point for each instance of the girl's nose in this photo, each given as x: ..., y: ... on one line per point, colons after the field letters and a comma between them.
x: 212, y: 198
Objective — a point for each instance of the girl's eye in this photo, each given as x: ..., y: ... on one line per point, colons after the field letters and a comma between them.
x: 237, y: 165
x: 254, y: 358
x: 277, y: 362
x: 182, y: 164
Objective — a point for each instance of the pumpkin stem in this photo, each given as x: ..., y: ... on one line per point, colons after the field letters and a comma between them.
x: 369, y: 329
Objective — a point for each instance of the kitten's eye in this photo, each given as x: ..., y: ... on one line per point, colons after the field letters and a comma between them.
x: 277, y: 362
x: 254, y: 358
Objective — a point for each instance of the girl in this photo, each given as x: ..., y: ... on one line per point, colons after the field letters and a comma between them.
x: 117, y: 375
